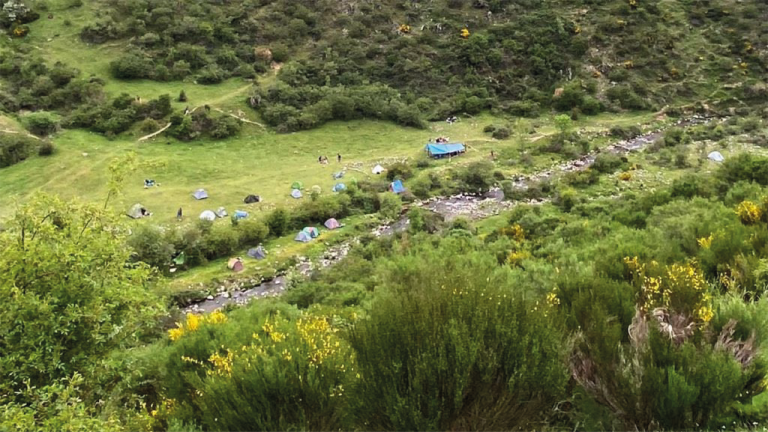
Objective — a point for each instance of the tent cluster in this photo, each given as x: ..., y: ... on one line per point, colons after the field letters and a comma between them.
x: 307, y: 234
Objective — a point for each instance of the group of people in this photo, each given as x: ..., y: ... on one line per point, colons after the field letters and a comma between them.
x: 440, y: 140
x: 324, y: 159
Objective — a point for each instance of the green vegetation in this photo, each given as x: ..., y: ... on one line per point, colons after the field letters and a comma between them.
x: 618, y: 284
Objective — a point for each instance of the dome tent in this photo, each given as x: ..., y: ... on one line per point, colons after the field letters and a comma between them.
x: 716, y: 156
x: 312, y: 231
x: 138, y: 211
x: 250, y: 199
x: 200, y: 194
x: 208, y: 215
x: 378, y: 169
x: 236, y: 265
x: 332, y: 224
x: 297, y: 185
x: 258, y: 253
x: 339, y: 187
x: 303, y: 237
x: 296, y: 193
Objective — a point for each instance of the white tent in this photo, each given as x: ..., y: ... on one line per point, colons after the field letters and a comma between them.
x: 378, y: 169
x: 716, y: 156
x: 208, y: 215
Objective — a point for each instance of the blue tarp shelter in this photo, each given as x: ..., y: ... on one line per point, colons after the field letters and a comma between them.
x: 397, y: 187
x: 303, y: 237
x: 339, y: 187
x: 239, y: 214
x: 443, y: 150
x: 296, y: 193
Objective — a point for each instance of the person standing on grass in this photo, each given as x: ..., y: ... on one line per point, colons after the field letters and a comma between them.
x: 338, y: 157
x: 178, y: 214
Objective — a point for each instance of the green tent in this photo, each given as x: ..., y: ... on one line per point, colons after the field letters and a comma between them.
x: 180, y: 259
x: 297, y: 185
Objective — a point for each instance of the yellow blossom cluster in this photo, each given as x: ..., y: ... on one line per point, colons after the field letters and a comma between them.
x: 749, y: 212
x: 194, y: 321
x: 404, y: 28
x: 515, y: 258
x: 552, y: 298
x: 680, y: 287
x: 625, y: 176
x: 465, y: 33
x: 222, y: 365
x: 706, y: 242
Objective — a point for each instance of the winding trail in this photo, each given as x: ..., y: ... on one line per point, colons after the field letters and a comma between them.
x: 473, y: 207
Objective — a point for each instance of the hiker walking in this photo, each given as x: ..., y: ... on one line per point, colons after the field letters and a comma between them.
x: 338, y: 157
x: 178, y: 214
x: 492, y: 155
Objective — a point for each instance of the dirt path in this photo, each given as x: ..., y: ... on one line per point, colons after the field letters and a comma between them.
x: 154, y: 134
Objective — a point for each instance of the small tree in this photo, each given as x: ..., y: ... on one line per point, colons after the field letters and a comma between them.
x: 563, y: 123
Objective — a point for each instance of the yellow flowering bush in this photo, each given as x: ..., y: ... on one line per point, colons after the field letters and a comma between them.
x: 465, y: 33
x: 194, y: 321
x: 679, y: 287
x: 705, y: 242
x: 625, y: 176
x: 515, y: 231
x: 749, y: 212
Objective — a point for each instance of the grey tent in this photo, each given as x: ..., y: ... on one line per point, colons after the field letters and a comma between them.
x: 716, y: 156
x: 258, y: 253
x: 338, y: 175
x: 250, y: 199
x: 208, y: 215
x: 138, y: 211
x: 296, y: 193
x: 200, y: 194
x: 303, y: 237
x: 221, y: 212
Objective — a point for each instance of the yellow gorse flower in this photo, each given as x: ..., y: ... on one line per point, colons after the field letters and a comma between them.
x: 705, y: 242
x: 749, y: 212
x: 193, y: 322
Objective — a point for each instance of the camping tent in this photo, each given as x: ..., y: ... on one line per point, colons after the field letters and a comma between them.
x: 239, y: 214
x: 332, y: 224
x: 443, y: 150
x: 339, y: 187
x: 236, y: 265
x: 180, y: 259
x: 200, y: 194
x: 138, y: 211
x: 716, y: 156
x: 221, y: 212
x: 312, y: 231
x: 303, y: 237
x: 378, y: 169
x: 208, y: 215
x: 257, y: 253
x: 397, y: 187
x: 317, y: 189
x: 250, y: 199
x: 296, y: 193
x: 297, y: 185
x: 338, y: 175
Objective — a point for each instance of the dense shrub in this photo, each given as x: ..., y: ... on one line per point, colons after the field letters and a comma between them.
x: 40, y: 123
x: 14, y: 148
x: 400, y: 170
x: 448, y: 345
x: 607, y: 163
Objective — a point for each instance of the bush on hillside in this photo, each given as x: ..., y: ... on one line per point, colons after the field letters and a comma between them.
x: 40, y: 123
x: 408, y: 349
x: 607, y: 163
x: 14, y: 148
x: 399, y: 171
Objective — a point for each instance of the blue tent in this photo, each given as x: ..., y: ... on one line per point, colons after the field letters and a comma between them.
x: 239, y: 214
x: 303, y: 237
x: 200, y: 194
x: 397, y: 187
x: 339, y: 187
x: 442, y: 150
x: 296, y: 193
x: 312, y: 231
